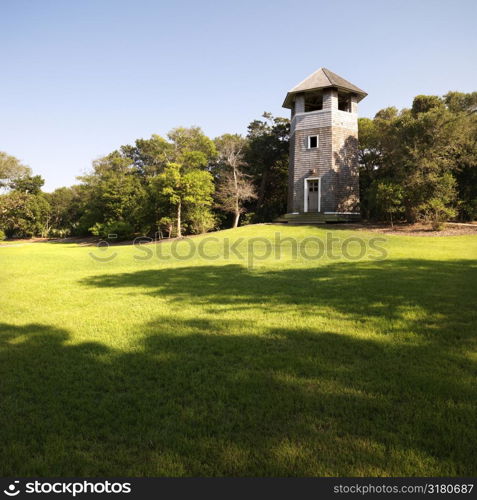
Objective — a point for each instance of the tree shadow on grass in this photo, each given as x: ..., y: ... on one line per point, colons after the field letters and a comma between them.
x: 194, y: 397
x: 422, y: 313
x: 442, y: 295
x: 286, y: 403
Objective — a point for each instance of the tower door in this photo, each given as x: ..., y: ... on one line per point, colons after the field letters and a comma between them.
x: 313, y: 195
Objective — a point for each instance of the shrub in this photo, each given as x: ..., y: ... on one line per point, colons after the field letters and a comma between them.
x: 436, y: 212
x: 468, y: 210
x: 439, y: 207
x: 388, y: 199
x: 2, y: 235
x: 247, y: 218
x: 121, y: 230
x: 59, y: 233
x: 167, y: 224
x: 201, y: 220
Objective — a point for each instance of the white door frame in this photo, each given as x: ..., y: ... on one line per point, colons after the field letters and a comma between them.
x: 305, y: 188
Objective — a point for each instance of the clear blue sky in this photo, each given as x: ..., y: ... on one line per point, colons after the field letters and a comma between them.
x: 80, y: 78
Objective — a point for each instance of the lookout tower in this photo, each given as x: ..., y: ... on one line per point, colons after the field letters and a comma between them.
x: 323, y: 183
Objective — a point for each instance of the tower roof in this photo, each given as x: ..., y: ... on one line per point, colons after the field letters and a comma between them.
x: 321, y: 79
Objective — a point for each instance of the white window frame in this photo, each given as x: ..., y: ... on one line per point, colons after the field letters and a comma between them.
x: 305, y: 187
x: 317, y: 141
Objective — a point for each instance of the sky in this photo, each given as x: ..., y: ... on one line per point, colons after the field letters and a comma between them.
x: 81, y: 78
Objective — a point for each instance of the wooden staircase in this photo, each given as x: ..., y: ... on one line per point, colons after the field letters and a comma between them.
x: 316, y: 218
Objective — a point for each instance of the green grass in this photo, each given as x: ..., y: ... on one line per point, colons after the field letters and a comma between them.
x: 198, y: 367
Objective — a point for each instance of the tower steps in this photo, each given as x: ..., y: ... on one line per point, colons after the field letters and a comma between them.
x: 316, y: 218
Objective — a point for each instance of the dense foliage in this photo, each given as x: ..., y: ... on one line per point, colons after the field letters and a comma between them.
x: 415, y: 164
x: 421, y: 163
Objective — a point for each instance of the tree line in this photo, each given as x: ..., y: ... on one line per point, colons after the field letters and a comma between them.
x: 421, y: 163
x: 416, y: 164
x: 184, y: 183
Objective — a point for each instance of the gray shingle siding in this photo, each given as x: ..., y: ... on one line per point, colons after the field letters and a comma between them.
x: 335, y: 161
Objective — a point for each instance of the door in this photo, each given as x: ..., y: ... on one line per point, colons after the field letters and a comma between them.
x: 313, y: 195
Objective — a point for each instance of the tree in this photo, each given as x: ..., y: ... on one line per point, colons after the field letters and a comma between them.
x: 424, y: 158
x: 438, y: 208
x: 11, y: 169
x: 185, y: 188
x: 388, y: 197
x: 114, y: 193
x: 458, y: 102
x: 200, y: 218
x: 234, y: 186
x: 424, y: 103
x: 421, y: 149
x: 182, y: 191
x: 24, y: 210
x: 151, y: 159
x: 31, y: 184
x: 464, y: 107
x: 266, y: 157
x: 149, y: 156
x: 190, y: 140
x: 67, y: 205
x: 369, y: 159
x: 23, y: 215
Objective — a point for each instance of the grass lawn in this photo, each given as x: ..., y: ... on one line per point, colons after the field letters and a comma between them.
x: 197, y: 367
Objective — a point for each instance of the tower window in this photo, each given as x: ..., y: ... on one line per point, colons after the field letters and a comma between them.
x: 312, y: 142
x: 344, y: 102
x: 313, y: 102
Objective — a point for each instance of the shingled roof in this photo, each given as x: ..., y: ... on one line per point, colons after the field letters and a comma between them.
x: 321, y: 79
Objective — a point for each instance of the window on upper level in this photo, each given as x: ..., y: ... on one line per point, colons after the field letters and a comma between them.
x: 312, y: 142
x: 313, y: 101
x: 344, y: 102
